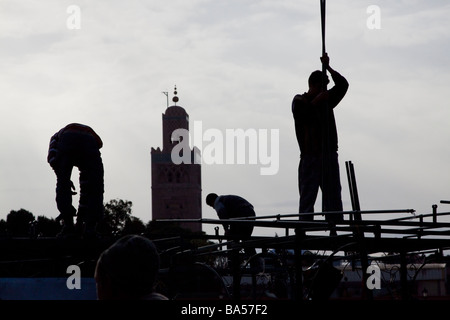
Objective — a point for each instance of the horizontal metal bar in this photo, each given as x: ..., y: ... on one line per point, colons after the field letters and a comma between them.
x: 289, y: 215
x: 275, y: 223
x: 315, y: 224
x: 427, y: 224
x: 277, y: 216
x: 438, y: 214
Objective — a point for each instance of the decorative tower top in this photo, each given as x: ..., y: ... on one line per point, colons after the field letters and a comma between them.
x: 175, y: 98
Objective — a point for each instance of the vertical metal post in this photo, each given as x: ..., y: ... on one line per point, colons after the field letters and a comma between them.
x: 350, y: 187
x: 322, y: 19
x: 353, y: 190
x: 326, y: 156
x: 298, y: 290
x: 358, y: 234
x: 235, y: 268
x: 404, y: 276
x: 167, y: 97
x: 435, y: 213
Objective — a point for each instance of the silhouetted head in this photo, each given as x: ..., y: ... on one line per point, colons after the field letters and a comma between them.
x: 127, y: 269
x: 210, y: 199
x: 315, y: 79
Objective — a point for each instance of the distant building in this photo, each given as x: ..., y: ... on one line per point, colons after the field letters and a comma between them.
x: 176, y: 188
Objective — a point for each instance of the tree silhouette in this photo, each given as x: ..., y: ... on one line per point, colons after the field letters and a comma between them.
x: 133, y: 225
x: 3, y: 227
x: 46, y: 227
x: 21, y: 223
x: 18, y: 223
x: 117, y: 212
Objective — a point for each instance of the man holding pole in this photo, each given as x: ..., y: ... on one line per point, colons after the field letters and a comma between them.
x: 316, y: 133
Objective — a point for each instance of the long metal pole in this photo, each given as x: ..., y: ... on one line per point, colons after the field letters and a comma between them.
x: 322, y: 16
x: 326, y: 156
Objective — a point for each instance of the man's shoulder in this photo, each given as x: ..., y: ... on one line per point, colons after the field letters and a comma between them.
x: 298, y: 101
x: 300, y: 96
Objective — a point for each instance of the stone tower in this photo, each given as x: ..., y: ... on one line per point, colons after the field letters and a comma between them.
x: 176, y: 188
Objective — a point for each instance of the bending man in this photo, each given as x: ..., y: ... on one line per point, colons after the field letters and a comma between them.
x: 77, y: 145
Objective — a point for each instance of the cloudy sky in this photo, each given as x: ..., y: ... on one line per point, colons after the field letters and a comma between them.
x: 236, y: 64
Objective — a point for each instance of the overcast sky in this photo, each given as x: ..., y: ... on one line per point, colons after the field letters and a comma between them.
x: 236, y: 64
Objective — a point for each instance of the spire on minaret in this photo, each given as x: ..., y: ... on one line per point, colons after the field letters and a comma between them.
x: 175, y: 98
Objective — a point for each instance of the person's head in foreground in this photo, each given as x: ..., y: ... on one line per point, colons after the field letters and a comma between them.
x: 128, y: 270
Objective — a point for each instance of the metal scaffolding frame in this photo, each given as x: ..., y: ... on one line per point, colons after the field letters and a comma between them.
x: 360, y: 239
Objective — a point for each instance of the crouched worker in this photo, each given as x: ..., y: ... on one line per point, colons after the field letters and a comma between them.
x: 77, y: 145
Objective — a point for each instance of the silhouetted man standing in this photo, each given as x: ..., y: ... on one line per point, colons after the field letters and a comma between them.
x: 316, y: 133
x: 77, y: 145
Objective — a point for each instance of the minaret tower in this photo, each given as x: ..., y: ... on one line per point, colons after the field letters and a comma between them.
x: 176, y: 188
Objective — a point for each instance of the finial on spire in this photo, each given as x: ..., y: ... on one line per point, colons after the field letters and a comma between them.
x: 175, y: 98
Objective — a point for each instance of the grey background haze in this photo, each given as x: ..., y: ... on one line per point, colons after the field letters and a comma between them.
x: 236, y: 64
